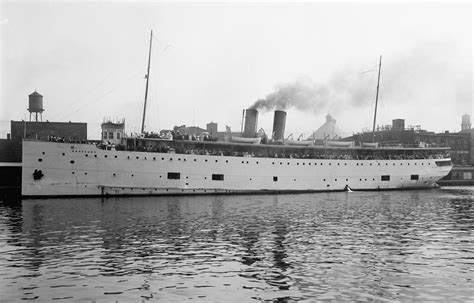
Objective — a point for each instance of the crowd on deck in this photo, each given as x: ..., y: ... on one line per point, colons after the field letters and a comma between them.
x: 66, y: 140
x: 292, y: 153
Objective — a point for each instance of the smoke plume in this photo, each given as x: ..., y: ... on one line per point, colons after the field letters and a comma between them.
x: 307, y: 95
x: 432, y: 71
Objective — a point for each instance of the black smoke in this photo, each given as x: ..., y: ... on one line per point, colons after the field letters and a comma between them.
x: 431, y: 71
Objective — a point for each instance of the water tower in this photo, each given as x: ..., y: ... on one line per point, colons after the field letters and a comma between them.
x: 36, y: 105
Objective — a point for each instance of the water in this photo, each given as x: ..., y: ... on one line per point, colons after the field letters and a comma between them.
x: 396, y: 245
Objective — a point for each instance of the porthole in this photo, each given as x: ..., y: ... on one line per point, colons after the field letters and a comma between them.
x: 386, y: 163
x: 162, y: 159
x: 338, y: 164
x: 247, y: 162
x: 205, y: 160
x: 335, y: 180
x: 154, y: 158
x: 297, y: 163
x: 324, y: 179
x: 85, y: 173
x: 144, y: 158
x: 281, y: 163
x: 329, y: 163
x: 327, y: 185
x: 243, y: 162
x: 216, y: 161
x: 303, y: 163
x: 287, y: 163
x: 347, y: 179
x: 132, y: 175
x: 73, y: 173
x: 171, y: 159
x: 294, y: 180
x: 40, y: 160
x: 105, y: 156
x: 357, y: 164
x: 114, y: 174
x: 64, y: 154
x: 179, y: 159
x: 43, y: 153
x: 87, y: 155
x: 379, y: 164
x: 137, y: 157
x: 226, y: 161
x: 115, y: 156
x: 257, y: 162
x: 273, y: 163
x: 370, y: 164
x: 72, y: 161
x: 128, y: 157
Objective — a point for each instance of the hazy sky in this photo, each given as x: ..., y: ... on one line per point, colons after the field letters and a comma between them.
x: 211, y: 60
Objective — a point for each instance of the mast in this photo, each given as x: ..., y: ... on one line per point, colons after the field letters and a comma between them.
x: 376, y: 99
x: 147, y: 79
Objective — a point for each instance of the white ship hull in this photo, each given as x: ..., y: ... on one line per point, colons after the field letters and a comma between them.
x: 84, y: 170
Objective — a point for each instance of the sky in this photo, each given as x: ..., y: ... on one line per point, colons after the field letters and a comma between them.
x: 212, y: 60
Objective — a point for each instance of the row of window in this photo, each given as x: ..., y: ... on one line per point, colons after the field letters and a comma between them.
x: 442, y: 163
x: 110, y: 135
x: 220, y: 177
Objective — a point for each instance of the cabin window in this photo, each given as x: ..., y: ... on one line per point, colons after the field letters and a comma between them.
x: 217, y: 177
x: 174, y: 176
x: 105, y: 135
x: 385, y: 178
x: 414, y: 177
x: 275, y: 178
x: 118, y: 136
x: 111, y: 135
x: 443, y: 163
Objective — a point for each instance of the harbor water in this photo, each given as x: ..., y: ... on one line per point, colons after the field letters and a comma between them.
x: 382, y: 246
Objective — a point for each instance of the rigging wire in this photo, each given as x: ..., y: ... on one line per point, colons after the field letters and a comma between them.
x: 83, y: 106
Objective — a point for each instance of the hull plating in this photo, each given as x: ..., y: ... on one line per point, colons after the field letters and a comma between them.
x: 84, y: 170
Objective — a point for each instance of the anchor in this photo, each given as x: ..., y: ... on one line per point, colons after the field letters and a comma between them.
x: 37, y: 174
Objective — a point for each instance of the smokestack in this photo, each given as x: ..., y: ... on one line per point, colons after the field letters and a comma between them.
x: 279, y: 122
x: 251, y: 119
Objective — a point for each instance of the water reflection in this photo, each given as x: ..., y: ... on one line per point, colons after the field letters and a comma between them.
x: 414, y: 245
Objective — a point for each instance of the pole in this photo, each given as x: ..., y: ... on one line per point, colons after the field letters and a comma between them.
x: 147, y: 79
x: 376, y: 100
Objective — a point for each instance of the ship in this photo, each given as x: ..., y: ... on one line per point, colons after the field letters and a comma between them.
x: 145, y: 165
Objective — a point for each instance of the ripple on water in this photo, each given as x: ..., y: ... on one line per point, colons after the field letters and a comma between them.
x: 381, y: 246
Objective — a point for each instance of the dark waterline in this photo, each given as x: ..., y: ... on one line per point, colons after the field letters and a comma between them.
x: 397, y: 245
